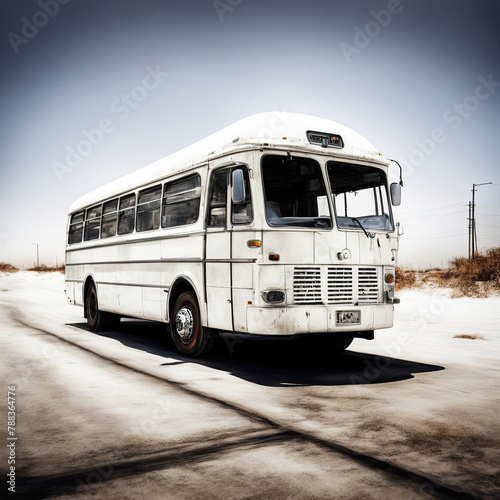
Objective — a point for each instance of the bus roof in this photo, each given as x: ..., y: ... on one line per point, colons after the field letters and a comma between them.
x: 273, y: 129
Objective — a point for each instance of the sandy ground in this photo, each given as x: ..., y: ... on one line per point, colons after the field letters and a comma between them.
x: 412, y: 414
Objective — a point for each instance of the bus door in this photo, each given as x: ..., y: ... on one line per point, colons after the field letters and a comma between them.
x: 218, y: 253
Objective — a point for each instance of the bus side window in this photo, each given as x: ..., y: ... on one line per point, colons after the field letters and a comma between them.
x: 148, y: 209
x: 109, y: 218
x: 93, y: 223
x: 181, y: 201
x: 241, y: 213
x: 218, y: 199
x: 126, y: 214
x: 76, y: 228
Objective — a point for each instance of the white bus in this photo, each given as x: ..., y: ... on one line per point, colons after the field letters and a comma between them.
x: 278, y: 225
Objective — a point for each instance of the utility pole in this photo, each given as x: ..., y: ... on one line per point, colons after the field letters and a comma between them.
x: 470, y: 226
x: 474, y: 235
x: 37, y: 255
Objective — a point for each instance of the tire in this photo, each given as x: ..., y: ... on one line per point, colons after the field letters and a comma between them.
x: 189, y: 337
x: 98, y: 320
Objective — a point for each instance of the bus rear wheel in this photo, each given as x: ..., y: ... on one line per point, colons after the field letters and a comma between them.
x: 97, y: 319
x: 189, y: 337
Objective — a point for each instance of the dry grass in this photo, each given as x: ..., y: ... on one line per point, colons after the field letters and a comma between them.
x: 8, y: 268
x: 405, y: 278
x: 47, y: 269
x: 478, y: 277
x: 469, y: 336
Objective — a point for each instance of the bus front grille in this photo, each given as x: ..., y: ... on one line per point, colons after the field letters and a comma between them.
x: 332, y: 285
x: 340, y: 285
x: 367, y: 285
x: 307, y: 285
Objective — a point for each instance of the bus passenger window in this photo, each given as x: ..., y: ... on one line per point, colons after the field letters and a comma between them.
x: 76, y: 228
x: 181, y: 202
x: 126, y: 214
x: 218, y: 198
x: 92, y: 223
x: 148, y: 209
x: 241, y: 213
x: 109, y: 218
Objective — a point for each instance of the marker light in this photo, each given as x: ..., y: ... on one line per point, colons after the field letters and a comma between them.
x: 254, y: 243
x: 274, y: 256
x: 325, y: 140
x: 389, y: 278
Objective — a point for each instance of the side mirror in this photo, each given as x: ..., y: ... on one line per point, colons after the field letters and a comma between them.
x: 238, y: 193
x: 396, y: 193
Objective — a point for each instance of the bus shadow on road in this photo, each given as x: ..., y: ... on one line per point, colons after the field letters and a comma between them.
x: 273, y: 363
x: 284, y: 363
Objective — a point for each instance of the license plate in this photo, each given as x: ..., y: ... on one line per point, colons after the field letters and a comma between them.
x: 348, y: 317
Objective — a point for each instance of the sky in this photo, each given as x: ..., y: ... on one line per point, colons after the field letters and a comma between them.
x: 138, y: 80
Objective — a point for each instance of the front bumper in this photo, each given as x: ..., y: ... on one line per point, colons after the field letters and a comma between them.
x: 293, y: 320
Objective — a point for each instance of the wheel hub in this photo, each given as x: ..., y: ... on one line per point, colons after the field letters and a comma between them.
x: 184, y: 323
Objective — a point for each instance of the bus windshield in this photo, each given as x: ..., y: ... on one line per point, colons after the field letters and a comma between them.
x: 359, y: 194
x: 295, y: 193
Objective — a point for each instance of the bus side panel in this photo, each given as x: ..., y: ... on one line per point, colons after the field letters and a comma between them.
x: 107, y: 293
x: 243, y: 292
x: 70, y: 292
x: 182, y: 259
x: 190, y: 272
x: 218, y: 280
x: 73, y: 284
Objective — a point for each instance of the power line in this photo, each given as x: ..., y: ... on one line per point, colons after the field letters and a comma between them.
x: 425, y: 217
x: 426, y: 237
x: 433, y: 209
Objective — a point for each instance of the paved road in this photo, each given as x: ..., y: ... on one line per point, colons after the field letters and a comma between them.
x: 121, y: 415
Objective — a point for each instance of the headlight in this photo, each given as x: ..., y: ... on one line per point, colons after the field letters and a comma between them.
x: 274, y: 296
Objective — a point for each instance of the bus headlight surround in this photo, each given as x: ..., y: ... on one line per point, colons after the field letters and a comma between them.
x: 274, y: 296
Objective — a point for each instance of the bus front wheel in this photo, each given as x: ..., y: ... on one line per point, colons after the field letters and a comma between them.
x: 97, y: 319
x: 190, y: 338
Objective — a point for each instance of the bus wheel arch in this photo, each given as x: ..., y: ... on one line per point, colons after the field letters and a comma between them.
x: 96, y: 319
x: 190, y: 337
x: 180, y: 285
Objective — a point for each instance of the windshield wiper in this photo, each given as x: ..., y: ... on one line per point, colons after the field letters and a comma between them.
x: 368, y: 235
